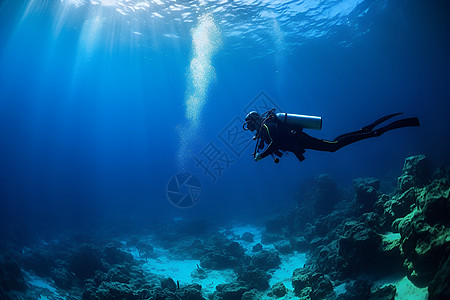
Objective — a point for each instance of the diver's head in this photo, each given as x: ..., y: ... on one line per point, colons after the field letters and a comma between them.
x: 252, y: 121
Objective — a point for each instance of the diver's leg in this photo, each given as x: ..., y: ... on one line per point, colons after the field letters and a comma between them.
x: 347, y: 139
x: 309, y: 142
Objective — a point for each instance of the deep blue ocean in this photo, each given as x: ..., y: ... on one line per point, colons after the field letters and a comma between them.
x: 103, y: 102
x: 93, y: 111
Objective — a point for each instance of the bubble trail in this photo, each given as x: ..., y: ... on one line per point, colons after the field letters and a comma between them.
x: 206, y: 41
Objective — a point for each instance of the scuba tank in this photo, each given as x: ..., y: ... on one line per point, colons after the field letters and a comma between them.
x: 303, y: 121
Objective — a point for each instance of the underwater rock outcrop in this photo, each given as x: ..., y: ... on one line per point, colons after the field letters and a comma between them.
x: 248, y: 237
x: 231, y: 291
x: 355, y: 247
x: 39, y: 261
x: 113, y: 255
x: 265, y: 260
x: 311, y: 285
x: 221, y: 253
x: 278, y: 290
x: 319, y: 196
x: 254, y: 278
x: 379, y: 234
x: 439, y: 288
x: 11, y: 276
x: 416, y: 172
x: 425, y: 232
x: 366, y: 190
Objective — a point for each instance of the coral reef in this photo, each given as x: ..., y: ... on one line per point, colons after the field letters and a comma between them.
x: 350, y: 243
x: 85, y: 262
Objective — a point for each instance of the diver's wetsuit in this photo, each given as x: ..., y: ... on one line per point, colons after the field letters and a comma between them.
x: 279, y: 136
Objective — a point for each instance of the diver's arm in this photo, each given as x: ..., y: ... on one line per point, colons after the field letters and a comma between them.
x: 272, y: 135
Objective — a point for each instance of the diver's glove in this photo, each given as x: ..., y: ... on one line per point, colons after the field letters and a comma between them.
x: 258, y: 157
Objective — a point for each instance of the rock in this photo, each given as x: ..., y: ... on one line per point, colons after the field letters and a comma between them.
x: 251, y: 295
x: 218, y: 261
x: 258, y: 247
x: 284, y: 247
x: 300, y: 244
x: 279, y: 290
x: 113, y: 255
x: 439, y: 288
x: 418, y: 168
x: 300, y: 280
x: 266, y: 260
x: 316, y: 242
x: 401, y: 204
x: 269, y: 238
x: 425, y: 232
x: 232, y: 291
x: 62, y: 278
x: 321, y: 287
x: 99, y: 278
x: 327, y: 257
x: 383, y: 293
x: 358, y: 248
x: 255, y: 279
x: 356, y: 290
x: 119, y: 273
x: 11, y: 276
x: 390, y: 259
x: 192, y: 292
x: 133, y: 241
x: 221, y: 253
x: 398, y: 207
x: 248, y: 237
x: 40, y: 262
x: 366, y: 190
x: 434, y: 201
x: 235, y: 249
x: 199, y: 273
x: 133, y: 285
x: 110, y: 290
x: 169, y: 284
x: 311, y: 285
x: 196, y: 249
x: 145, y: 250
x: 404, y: 183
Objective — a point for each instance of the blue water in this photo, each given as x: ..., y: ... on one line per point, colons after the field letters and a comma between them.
x: 102, y: 102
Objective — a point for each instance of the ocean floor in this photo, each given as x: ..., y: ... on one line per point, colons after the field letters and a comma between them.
x: 163, y: 263
x: 368, y: 245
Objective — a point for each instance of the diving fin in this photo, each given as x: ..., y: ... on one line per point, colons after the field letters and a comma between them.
x: 398, y: 124
x: 370, y: 127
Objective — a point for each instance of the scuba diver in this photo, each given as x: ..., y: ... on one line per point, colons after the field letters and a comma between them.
x: 281, y: 132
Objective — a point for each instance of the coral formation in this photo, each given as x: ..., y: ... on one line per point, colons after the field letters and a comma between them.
x: 351, y: 242
x: 85, y: 261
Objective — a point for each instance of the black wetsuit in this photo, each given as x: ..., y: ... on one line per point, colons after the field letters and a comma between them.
x: 280, y: 136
